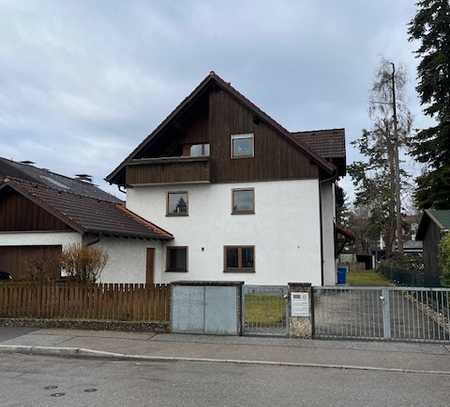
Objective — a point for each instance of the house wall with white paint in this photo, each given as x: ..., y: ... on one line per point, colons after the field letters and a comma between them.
x: 127, y: 259
x: 285, y: 230
x: 328, y: 221
x: 64, y: 239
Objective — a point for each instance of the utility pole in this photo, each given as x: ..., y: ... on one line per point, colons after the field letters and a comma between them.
x: 397, y: 168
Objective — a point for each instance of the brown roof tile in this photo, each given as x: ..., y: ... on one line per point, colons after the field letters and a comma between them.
x: 327, y: 143
x: 28, y: 172
x: 87, y: 214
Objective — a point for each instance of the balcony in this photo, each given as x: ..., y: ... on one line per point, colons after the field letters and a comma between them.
x: 168, y: 170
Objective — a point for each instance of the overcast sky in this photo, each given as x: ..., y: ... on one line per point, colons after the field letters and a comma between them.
x: 83, y: 82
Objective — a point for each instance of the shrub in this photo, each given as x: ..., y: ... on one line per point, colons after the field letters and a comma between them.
x: 444, y: 259
x: 412, y: 264
x: 41, y: 267
x: 405, y: 270
x: 83, y: 263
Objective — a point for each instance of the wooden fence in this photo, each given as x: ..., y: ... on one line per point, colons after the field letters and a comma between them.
x: 116, y: 302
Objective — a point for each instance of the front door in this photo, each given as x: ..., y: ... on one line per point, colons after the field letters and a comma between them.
x: 150, y: 271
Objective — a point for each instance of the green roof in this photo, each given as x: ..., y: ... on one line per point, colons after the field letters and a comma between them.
x: 441, y: 217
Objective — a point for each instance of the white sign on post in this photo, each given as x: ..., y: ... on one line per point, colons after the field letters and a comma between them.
x: 300, y: 305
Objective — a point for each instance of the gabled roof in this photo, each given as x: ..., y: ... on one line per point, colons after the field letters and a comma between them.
x: 329, y: 143
x: 441, y: 217
x: 85, y: 214
x: 10, y: 168
x: 215, y: 79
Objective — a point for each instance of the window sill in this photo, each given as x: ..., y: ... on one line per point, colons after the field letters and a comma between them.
x: 243, y: 212
x: 242, y: 157
x: 240, y: 270
x: 173, y: 215
x: 175, y: 271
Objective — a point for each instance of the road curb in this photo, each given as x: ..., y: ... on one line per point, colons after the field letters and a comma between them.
x: 96, y: 354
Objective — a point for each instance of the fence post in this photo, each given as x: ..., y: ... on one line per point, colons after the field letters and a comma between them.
x: 386, y: 313
x: 300, y: 310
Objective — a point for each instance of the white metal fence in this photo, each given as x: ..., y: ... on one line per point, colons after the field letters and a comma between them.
x: 392, y: 313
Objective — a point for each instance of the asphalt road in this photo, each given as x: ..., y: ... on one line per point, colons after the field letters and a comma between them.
x: 46, y: 381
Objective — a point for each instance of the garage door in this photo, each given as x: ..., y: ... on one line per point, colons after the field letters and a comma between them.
x: 24, y: 262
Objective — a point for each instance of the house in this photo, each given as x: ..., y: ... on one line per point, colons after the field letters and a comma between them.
x: 41, y: 220
x: 81, y: 185
x: 244, y: 198
x: 433, y: 224
x: 42, y: 212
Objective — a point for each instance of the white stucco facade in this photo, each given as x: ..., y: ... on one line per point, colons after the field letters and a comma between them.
x: 285, y: 230
x: 127, y: 259
x: 39, y: 238
x: 328, y: 221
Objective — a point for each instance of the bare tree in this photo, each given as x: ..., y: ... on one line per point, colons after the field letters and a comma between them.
x: 83, y: 263
x: 379, y: 179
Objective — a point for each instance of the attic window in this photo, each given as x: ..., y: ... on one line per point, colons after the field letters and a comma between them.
x: 199, y: 150
x: 242, y: 145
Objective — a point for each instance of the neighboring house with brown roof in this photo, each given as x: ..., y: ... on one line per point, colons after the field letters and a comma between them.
x: 27, y: 171
x: 329, y: 144
x: 244, y: 198
x: 37, y: 219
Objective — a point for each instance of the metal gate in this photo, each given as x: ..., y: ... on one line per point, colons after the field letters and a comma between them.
x: 392, y: 313
x: 206, y: 307
x: 265, y: 310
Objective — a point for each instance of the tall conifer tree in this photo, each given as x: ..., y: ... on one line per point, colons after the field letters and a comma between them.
x: 431, y: 28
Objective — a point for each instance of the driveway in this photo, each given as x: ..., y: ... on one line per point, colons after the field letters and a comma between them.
x: 358, y: 313
x: 47, y: 381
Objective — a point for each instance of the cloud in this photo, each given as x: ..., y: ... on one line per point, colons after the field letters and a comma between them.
x: 84, y: 82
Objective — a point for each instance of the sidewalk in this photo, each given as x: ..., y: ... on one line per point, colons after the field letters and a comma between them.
x: 415, y: 356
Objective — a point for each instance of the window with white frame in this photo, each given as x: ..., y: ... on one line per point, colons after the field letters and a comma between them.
x: 242, y: 145
x: 199, y: 150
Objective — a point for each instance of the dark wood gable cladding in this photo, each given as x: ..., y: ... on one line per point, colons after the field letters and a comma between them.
x: 164, y: 161
x: 275, y: 158
x: 190, y: 127
x: 18, y: 213
x: 213, y: 118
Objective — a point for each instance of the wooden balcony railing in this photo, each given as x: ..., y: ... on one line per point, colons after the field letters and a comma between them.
x: 170, y: 170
